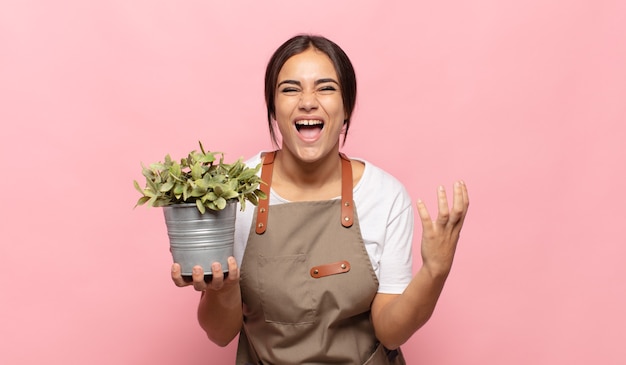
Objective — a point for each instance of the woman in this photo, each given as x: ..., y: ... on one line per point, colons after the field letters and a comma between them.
x: 322, y: 269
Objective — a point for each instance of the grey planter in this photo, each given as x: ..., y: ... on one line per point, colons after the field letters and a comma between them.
x: 200, y: 239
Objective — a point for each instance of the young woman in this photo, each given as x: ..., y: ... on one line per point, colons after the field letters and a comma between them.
x: 322, y: 268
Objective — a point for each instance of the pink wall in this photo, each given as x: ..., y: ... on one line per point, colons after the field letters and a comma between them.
x: 524, y: 100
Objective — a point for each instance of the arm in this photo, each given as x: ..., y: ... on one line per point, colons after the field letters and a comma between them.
x: 397, y: 316
x: 219, y: 311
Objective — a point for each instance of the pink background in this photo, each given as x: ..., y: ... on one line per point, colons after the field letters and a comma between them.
x: 524, y: 100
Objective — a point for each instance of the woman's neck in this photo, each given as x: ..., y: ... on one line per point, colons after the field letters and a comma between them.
x: 296, y: 180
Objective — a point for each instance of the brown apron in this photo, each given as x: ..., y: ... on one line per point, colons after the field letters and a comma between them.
x: 307, y: 284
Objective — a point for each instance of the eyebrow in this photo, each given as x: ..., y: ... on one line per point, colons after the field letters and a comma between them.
x: 317, y: 82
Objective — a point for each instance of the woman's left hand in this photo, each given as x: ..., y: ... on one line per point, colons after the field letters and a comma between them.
x: 440, y: 236
x: 397, y: 316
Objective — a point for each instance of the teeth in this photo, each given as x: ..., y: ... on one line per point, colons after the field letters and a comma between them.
x: 309, y: 122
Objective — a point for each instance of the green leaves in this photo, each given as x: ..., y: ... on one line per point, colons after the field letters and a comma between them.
x: 199, y: 179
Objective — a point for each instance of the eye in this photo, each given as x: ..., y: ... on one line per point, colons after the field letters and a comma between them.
x: 289, y: 90
x: 327, y: 89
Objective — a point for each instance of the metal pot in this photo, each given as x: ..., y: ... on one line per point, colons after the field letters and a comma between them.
x: 200, y: 239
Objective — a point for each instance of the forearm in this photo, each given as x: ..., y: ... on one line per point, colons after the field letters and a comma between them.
x: 220, y: 314
x: 398, y: 317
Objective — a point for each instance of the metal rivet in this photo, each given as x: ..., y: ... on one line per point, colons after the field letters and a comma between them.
x: 260, y: 225
x: 346, y: 219
x: 262, y: 210
x: 316, y: 271
x: 343, y: 266
x: 347, y: 204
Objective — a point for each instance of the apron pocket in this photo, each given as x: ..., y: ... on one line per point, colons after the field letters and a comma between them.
x: 284, y: 289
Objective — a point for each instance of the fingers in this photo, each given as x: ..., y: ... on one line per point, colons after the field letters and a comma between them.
x: 423, y: 212
x: 233, y: 269
x: 442, y: 201
x: 220, y: 278
x: 465, y: 195
x: 197, y: 276
x: 460, y: 204
x: 177, y: 276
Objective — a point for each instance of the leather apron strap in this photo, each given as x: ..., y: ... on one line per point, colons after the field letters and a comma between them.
x: 264, y: 204
x: 347, y: 202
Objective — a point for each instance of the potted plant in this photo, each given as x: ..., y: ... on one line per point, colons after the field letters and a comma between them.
x: 199, y: 196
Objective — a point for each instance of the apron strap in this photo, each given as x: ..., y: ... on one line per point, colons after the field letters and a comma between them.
x: 347, y: 203
x: 264, y: 204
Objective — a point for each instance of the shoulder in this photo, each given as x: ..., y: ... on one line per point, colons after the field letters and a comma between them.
x: 386, y: 220
x: 381, y: 195
x: 378, y: 181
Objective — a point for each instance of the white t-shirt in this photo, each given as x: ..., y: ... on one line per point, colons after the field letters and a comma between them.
x: 385, y: 215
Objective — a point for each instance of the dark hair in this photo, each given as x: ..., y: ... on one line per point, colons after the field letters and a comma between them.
x: 297, y: 45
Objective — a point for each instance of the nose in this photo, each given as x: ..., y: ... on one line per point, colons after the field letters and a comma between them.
x: 308, y: 101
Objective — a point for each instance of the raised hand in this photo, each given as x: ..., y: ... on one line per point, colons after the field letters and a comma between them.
x: 440, y: 236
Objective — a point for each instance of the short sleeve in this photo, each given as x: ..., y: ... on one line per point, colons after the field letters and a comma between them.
x: 386, y: 218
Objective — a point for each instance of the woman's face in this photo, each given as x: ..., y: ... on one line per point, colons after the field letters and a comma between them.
x: 309, y: 106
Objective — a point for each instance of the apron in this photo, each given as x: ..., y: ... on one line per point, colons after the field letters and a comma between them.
x: 307, y: 284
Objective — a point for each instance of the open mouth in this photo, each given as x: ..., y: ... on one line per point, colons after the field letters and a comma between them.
x: 309, y: 128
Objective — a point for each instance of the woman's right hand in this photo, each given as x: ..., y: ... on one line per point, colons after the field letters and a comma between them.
x: 218, y: 281
x: 220, y: 310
